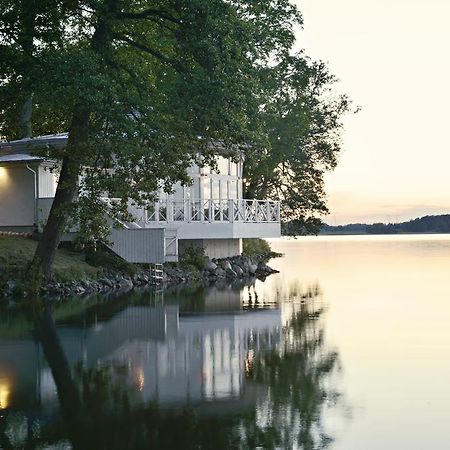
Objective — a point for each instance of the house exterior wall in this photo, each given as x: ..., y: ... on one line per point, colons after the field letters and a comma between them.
x: 17, y: 197
x: 221, y: 183
x: 47, y: 182
x: 214, y: 248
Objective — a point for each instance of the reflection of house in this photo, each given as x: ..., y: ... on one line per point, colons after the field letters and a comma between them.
x: 174, y: 359
x: 211, y: 213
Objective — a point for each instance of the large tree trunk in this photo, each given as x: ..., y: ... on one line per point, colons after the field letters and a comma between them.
x: 42, y: 264
x: 25, y: 119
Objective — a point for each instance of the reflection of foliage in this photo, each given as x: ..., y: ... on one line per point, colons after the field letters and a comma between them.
x: 296, y: 373
x: 101, y: 409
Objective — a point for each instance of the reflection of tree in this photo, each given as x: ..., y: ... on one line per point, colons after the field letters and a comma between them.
x: 296, y: 375
x: 99, y: 411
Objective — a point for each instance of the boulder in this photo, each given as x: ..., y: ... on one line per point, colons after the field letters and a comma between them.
x: 125, y: 283
x: 225, y: 264
x: 219, y: 272
x: 210, y: 266
x: 252, y: 268
x: 238, y: 270
x: 106, y: 282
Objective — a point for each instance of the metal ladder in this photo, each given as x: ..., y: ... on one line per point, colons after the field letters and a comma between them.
x: 157, y: 273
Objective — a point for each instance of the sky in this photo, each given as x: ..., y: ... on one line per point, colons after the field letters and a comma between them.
x: 392, y: 58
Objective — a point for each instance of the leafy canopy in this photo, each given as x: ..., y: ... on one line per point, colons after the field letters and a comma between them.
x: 158, y: 80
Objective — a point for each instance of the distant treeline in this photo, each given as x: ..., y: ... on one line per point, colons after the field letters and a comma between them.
x: 427, y: 224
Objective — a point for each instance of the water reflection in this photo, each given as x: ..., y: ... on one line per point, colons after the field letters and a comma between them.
x: 203, y: 368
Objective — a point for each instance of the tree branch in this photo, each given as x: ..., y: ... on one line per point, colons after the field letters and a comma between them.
x: 157, y: 54
x: 149, y: 13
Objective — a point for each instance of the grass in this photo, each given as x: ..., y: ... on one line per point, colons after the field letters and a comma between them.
x: 16, y: 252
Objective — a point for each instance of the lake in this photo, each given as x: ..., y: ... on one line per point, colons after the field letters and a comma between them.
x: 347, y: 348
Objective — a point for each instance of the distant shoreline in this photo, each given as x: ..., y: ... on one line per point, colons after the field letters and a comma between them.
x: 423, y: 225
x: 337, y: 233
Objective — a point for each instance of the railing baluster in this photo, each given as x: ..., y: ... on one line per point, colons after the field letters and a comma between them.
x: 230, y: 210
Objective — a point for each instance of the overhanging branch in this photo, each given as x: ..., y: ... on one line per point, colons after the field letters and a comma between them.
x: 149, y: 13
x: 151, y: 51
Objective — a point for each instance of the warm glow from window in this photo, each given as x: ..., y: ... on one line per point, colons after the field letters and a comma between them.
x: 140, y: 379
x: 3, y: 172
x: 5, y: 391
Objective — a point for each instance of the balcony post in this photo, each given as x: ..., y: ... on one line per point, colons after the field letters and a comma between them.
x: 230, y: 210
x: 157, y: 211
x: 169, y: 210
x: 187, y: 210
x: 268, y: 214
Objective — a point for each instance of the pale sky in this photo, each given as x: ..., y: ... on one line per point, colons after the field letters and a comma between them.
x: 393, y: 59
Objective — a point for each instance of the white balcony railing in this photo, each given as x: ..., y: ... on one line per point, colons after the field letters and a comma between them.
x: 247, y: 211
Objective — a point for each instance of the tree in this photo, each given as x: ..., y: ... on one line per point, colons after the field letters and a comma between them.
x: 303, y: 122
x: 143, y: 86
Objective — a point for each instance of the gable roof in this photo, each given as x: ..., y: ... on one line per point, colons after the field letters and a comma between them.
x: 21, y: 149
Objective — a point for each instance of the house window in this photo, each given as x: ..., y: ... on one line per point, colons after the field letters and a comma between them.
x: 224, y: 190
x: 206, y: 188
x: 223, y: 165
x: 233, y: 190
x: 215, y: 189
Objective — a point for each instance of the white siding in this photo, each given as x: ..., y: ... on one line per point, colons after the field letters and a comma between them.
x: 214, y: 248
x: 17, y: 199
x: 47, y: 182
x: 139, y: 245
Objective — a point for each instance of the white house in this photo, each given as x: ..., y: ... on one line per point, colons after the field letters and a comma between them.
x: 210, y: 213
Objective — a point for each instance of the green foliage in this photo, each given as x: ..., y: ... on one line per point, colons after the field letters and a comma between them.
x: 193, y: 256
x: 304, y: 119
x: 103, y: 258
x: 144, y: 87
x: 256, y: 247
x: 302, y: 227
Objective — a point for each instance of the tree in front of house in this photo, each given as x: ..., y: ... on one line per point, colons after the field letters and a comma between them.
x: 142, y: 86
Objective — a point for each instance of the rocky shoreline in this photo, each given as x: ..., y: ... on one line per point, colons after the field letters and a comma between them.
x: 235, y: 268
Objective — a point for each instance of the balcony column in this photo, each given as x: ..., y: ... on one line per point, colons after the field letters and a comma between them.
x: 187, y: 210
x: 169, y: 209
x: 231, y: 210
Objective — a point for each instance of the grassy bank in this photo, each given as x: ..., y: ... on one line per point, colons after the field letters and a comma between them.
x: 16, y: 252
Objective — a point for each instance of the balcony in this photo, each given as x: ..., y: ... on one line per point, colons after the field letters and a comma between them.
x: 213, y: 219
x: 209, y: 211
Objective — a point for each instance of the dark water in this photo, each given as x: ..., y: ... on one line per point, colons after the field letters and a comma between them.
x: 347, y: 348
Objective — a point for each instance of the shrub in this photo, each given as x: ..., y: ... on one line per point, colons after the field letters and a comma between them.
x: 102, y: 257
x: 193, y: 257
x: 258, y: 248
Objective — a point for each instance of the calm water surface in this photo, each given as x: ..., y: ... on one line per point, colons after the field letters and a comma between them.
x: 347, y: 348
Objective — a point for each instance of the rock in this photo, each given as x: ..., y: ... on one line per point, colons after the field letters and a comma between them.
x: 219, y: 273
x: 225, y: 264
x: 79, y: 290
x: 252, y: 268
x: 238, y: 270
x: 125, y: 283
x: 230, y: 273
x: 211, y: 266
x: 143, y: 278
x: 106, y: 282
